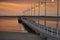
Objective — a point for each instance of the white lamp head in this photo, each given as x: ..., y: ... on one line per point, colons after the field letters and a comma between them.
x: 52, y: 0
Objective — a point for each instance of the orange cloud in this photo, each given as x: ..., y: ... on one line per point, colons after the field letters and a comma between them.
x: 14, y: 8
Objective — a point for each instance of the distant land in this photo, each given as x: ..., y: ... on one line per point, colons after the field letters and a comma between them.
x: 33, y: 16
x: 49, y: 18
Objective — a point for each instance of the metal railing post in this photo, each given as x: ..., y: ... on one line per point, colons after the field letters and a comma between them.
x: 34, y: 10
x: 26, y: 13
x: 31, y: 9
x: 39, y: 14
x: 57, y: 16
x: 45, y: 16
x: 38, y: 11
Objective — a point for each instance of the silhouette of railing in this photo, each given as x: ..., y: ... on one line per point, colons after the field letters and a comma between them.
x: 48, y: 30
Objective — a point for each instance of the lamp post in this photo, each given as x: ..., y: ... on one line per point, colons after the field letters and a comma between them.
x: 31, y: 9
x: 38, y: 11
x: 34, y: 10
x: 45, y: 16
x: 57, y: 16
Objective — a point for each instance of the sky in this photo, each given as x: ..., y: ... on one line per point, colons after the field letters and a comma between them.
x: 16, y: 7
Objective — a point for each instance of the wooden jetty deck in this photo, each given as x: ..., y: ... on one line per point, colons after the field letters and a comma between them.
x: 18, y: 36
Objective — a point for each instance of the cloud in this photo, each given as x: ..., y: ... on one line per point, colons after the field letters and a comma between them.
x: 18, y: 1
x: 8, y: 7
x: 26, y: 1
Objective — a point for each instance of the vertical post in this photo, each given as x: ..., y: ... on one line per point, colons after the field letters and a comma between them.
x: 31, y: 9
x: 26, y: 12
x: 52, y: 27
x: 29, y: 12
x: 34, y: 11
x: 38, y: 11
x: 45, y: 16
x: 57, y: 16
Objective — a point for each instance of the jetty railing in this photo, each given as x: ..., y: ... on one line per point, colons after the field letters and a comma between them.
x: 44, y: 27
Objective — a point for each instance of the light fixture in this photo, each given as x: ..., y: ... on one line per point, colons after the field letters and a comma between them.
x: 52, y: 0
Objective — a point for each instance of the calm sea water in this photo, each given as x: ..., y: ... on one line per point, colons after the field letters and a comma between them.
x: 11, y: 24
x: 50, y: 22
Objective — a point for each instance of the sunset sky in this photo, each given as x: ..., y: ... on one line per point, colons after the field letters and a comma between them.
x: 16, y: 7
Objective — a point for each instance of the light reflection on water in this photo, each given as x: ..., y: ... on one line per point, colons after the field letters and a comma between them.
x: 10, y: 24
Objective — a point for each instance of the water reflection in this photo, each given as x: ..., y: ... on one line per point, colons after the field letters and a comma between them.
x: 10, y: 24
x: 49, y: 22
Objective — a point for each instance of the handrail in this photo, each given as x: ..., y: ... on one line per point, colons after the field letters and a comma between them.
x: 42, y: 26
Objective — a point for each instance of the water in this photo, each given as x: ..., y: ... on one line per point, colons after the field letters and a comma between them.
x: 10, y: 24
x: 50, y: 22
